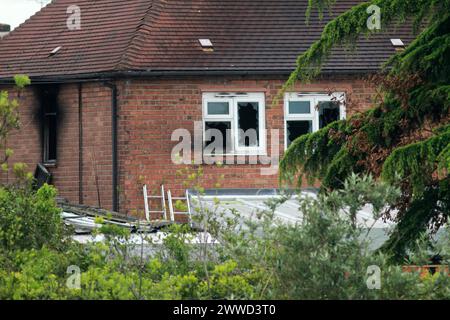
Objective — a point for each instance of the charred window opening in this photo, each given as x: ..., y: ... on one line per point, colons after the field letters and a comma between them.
x: 308, y: 112
x: 328, y: 112
x: 49, y: 108
x: 225, y: 131
x: 248, y: 120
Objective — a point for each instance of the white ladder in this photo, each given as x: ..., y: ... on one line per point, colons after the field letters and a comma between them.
x: 148, y: 212
x: 186, y: 198
x: 170, y: 200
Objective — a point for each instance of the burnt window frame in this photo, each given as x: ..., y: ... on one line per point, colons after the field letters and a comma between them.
x: 49, y: 124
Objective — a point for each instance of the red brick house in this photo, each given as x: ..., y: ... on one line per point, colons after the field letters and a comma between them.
x: 112, y: 80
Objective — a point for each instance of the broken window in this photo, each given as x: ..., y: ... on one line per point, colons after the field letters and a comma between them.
x: 248, y: 123
x: 296, y: 129
x: 49, y: 102
x: 238, y: 118
x: 217, y: 133
x: 305, y: 113
x: 328, y: 112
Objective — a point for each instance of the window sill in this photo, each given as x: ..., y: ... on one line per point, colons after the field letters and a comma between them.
x: 255, y: 154
x: 50, y: 164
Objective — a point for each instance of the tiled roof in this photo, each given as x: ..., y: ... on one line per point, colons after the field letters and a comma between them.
x: 107, y: 27
x: 162, y: 36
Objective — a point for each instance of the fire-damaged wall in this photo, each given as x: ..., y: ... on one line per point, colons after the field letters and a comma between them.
x: 148, y: 112
x: 95, y: 147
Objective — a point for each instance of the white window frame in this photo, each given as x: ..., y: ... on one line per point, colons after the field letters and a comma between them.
x: 313, y: 116
x: 233, y: 99
x: 207, y: 99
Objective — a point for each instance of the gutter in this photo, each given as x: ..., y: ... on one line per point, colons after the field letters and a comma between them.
x: 115, y: 170
x: 112, y: 75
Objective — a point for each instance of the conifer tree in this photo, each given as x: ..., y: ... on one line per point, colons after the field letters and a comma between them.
x: 405, y: 137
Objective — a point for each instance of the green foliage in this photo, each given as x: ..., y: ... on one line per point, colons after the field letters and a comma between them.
x: 418, y: 161
x: 29, y: 219
x: 8, y: 114
x: 325, y: 256
x: 9, y: 120
x: 347, y: 27
x: 227, y: 281
x: 22, y: 80
x: 424, y: 211
x: 35, y: 274
x: 403, y: 137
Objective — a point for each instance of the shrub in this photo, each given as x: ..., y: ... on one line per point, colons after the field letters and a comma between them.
x: 30, y: 219
x: 323, y: 257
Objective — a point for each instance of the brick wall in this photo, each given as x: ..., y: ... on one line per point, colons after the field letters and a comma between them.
x: 96, y: 150
x: 26, y: 142
x: 149, y: 111
x: 96, y: 145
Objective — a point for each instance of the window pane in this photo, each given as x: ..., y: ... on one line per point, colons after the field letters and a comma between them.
x: 297, y: 128
x: 328, y: 112
x: 248, y: 124
x: 218, y: 108
x: 299, y: 107
x: 50, y: 138
x: 224, y: 128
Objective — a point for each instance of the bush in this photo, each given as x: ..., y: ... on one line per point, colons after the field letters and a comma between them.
x: 34, y: 274
x: 323, y: 257
x: 30, y: 220
x: 326, y: 256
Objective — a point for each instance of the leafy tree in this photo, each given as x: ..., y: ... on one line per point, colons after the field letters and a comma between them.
x: 30, y: 219
x: 9, y: 120
x: 326, y: 255
x: 405, y: 138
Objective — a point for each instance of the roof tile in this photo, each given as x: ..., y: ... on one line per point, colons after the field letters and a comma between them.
x: 161, y: 35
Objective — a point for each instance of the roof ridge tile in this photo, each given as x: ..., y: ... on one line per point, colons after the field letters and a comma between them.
x: 124, y: 62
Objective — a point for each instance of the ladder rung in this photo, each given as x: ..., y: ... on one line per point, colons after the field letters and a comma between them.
x: 148, y: 198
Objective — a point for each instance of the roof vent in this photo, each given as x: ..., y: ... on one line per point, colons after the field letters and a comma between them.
x: 206, y: 45
x: 54, y: 51
x: 398, y: 44
x: 4, y: 29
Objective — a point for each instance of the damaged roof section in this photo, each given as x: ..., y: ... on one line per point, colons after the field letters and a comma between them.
x: 155, y: 36
x: 84, y: 219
